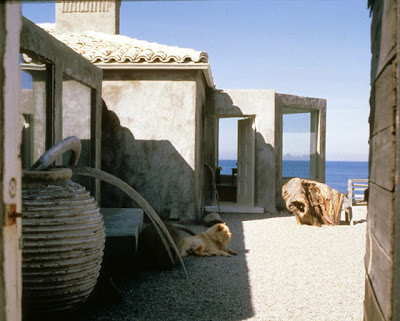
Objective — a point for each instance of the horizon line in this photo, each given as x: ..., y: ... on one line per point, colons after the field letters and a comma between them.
x: 299, y: 160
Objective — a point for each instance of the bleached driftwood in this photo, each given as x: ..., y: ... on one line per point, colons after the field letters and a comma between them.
x: 312, y: 203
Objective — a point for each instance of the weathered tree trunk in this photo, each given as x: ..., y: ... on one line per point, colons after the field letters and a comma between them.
x: 312, y: 203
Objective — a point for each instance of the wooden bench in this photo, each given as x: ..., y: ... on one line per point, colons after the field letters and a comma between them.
x: 123, y: 226
x: 356, y: 190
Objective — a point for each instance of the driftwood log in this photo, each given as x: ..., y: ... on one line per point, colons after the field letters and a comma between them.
x: 312, y: 203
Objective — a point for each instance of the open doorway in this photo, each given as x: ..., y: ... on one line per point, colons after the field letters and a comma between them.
x: 235, y: 175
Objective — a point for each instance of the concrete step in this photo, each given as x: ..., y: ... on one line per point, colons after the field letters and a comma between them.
x: 228, y: 207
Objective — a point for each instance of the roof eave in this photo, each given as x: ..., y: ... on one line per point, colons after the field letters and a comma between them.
x: 205, y: 67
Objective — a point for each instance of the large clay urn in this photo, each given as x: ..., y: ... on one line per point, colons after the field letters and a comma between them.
x: 63, y: 241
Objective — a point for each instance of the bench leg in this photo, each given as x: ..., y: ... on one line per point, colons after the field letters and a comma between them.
x: 349, y: 215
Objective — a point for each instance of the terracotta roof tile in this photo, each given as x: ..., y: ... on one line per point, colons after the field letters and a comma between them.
x: 99, y: 47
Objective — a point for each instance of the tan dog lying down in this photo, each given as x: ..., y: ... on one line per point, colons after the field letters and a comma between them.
x: 214, y: 241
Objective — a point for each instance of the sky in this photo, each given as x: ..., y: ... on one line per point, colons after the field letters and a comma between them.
x: 314, y: 48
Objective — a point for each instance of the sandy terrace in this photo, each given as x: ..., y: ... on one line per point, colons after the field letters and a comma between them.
x: 283, y: 271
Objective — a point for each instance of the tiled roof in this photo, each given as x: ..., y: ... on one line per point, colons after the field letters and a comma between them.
x: 99, y: 47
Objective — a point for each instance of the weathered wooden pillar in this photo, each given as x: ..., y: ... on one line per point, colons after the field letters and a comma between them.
x: 10, y: 163
x: 382, y: 259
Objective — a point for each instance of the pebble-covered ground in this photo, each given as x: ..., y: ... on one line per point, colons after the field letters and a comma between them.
x: 283, y: 271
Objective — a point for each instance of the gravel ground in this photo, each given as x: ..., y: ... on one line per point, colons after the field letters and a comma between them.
x: 283, y: 271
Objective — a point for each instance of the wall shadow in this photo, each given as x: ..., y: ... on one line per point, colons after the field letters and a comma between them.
x: 267, y: 188
x: 153, y: 168
x: 226, y: 107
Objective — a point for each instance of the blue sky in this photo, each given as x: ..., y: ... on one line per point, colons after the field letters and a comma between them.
x: 315, y: 48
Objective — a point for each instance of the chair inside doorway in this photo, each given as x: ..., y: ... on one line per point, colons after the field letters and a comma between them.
x: 227, y: 185
x: 236, y: 144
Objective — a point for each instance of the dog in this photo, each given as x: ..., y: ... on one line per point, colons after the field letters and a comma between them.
x: 213, y: 241
x: 151, y: 250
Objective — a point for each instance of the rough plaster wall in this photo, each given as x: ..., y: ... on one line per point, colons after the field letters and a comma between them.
x: 262, y: 104
x: 76, y: 109
x: 156, y: 111
x: 149, y: 141
x: 26, y: 101
x: 77, y: 120
x: 39, y: 115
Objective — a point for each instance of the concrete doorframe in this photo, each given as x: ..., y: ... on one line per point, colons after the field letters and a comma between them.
x: 246, y: 161
x: 245, y: 204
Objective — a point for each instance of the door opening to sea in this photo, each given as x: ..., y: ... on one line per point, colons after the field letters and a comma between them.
x: 235, y: 175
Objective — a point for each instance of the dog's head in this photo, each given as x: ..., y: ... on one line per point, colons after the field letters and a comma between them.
x: 220, y: 233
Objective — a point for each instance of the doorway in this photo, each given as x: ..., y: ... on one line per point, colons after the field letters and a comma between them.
x: 235, y: 171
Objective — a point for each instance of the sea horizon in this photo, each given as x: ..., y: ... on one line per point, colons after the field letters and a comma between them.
x: 291, y: 160
x: 337, y: 173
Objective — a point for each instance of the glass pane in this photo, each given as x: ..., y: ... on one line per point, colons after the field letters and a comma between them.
x: 296, y: 145
x: 33, y: 101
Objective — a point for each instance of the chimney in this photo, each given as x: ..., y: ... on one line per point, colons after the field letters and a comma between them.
x: 94, y: 15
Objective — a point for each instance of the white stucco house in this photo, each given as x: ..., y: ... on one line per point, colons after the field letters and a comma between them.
x: 160, y: 120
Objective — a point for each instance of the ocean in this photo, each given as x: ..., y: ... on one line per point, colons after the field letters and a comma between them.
x: 337, y: 173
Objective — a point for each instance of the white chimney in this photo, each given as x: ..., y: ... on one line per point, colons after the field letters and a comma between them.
x: 94, y: 15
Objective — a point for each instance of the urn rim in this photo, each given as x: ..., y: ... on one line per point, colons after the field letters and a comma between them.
x: 53, y: 174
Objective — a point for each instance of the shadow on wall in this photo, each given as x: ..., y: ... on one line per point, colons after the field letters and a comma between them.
x: 265, y: 181
x: 225, y: 106
x: 153, y: 168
